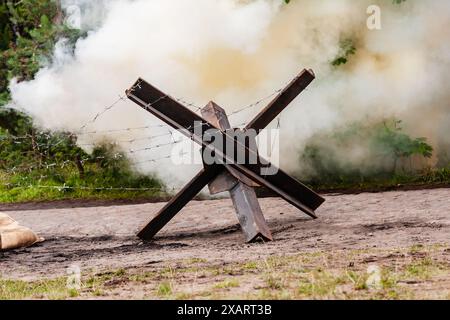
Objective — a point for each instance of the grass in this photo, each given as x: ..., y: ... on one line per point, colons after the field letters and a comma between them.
x: 423, y: 269
x: 37, y: 194
x: 418, y: 272
x: 423, y: 179
x: 164, y: 289
x: 226, y: 284
x: 65, y: 183
x: 70, y: 173
x: 52, y: 289
x: 274, y: 282
x: 119, y: 184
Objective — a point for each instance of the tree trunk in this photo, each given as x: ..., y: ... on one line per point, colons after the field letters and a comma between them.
x: 58, y: 19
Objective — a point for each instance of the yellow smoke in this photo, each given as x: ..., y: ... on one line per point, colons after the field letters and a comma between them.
x: 235, y: 52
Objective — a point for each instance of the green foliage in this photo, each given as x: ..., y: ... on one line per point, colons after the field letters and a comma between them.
x: 30, y: 45
x: 29, y: 30
x: 360, y: 153
x: 347, y: 49
x: 42, y: 165
x: 392, y: 141
x: 164, y: 289
x: 38, y: 165
x: 56, y: 169
x: 52, y: 289
x: 6, y: 32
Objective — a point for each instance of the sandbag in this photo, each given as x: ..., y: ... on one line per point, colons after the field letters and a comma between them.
x: 14, y: 236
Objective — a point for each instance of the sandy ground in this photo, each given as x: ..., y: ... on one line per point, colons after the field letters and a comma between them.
x: 103, y: 237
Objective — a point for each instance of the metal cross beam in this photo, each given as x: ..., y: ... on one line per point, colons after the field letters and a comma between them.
x: 194, y: 126
x: 239, y: 186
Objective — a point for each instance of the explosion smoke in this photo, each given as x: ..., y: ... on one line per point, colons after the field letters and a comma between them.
x: 235, y: 52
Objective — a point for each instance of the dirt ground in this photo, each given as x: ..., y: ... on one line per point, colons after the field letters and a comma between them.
x: 102, y: 238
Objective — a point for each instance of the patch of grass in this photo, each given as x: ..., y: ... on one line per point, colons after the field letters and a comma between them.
x: 416, y: 248
x: 98, y: 292
x: 226, y: 284
x: 95, y: 284
x: 120, y: 273
x: 250, y: 266
x: 388, y: 280
x: 106, y: 174
x: 164, y: 289
x: 274, y: 282
x: 183, y: 296
x: 169, y: 272
x: 273, y: 263
x: 319, y: 284
x: 196, y: 261
x: 308, y: 275
x: 422, y: 269
x: 266, y: 294
x: 24, y: 188
x: 143, y: 276
x: 358, y: 279
x: 53, y: 289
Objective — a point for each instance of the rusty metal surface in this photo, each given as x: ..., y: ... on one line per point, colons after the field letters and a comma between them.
x: 165, y: 108
x: 249, y: 213
x: 217, y: 116
x: 223, y: 183
x: 182, y: 119
x: 194, y: 126
x: 174, y: 206
x: 244, y: 197
x: 282, y: 100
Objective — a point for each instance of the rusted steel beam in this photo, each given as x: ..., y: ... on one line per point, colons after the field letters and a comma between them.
x: 182, y: 119
x: 287, y: 187
x: 218, y: 118
x: 244, y: 198
x: 281, y: 101
x: 165, y: 108
x: 249, y: 213
x: 174, y: 206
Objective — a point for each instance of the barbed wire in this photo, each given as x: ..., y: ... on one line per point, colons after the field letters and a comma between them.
x: 106, y: 109
x: 137, y: 163
x: 19, y: 140
x: 121, y: 130
x: 132, y: 151
x: 116, y: 156
x: 82, y: 132
x: 66, y: 187
x: 255, y: 104
x: 188, y: 104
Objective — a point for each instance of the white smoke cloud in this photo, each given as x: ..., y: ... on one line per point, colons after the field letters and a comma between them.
x: 235, y: 52
x: 86, y: 14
